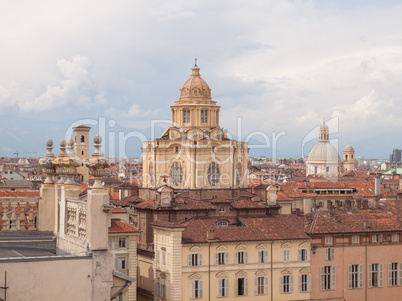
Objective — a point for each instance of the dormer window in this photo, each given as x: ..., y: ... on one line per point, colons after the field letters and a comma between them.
x: 195, y: 91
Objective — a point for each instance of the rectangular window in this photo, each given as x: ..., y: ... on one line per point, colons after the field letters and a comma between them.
x: 355, y: 239
x: 194, y: 259
x: 157, y: 286
x: 122, y: 242
x: 262, y: 256
x: 303, y: 255
x: 204, y: 116
x: 394, y: 274
x: 122, y: 264
x: 304, y: 283
x: 328, y: 278
x: 375, y: 275
x: 196, y: 289
x: 223, y: 287
x: 241, y: 287
x: 163, y: 288
x: 186, y: 116
x: 287, y: 284
x: 355, y: 276
x: 376, y: 238
x: 329, y: 253
x: 328, y: 240
x: 221, y: 258
x: 241, y: 257
x: 286, y: 255
x: 163, y: 257
x: 261, y: 285
x: 395, y: 237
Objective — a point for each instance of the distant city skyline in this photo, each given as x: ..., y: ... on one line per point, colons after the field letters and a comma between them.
x: 279, y: 66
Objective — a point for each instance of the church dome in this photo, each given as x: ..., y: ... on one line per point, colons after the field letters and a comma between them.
x: 195, y: 88
x: 349, y: 147
x: 323, y: 152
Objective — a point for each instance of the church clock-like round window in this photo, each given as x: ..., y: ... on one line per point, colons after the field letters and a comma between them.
x: 213, y: 173
x: 176, y: 174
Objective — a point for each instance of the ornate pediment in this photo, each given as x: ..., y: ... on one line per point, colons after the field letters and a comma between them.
x: 305, y: 270
x: 222, y: 275
x: 241, y: 247
x: 261, y: 246
x: 241, y: 274
x: 221, y: 248
x: 195, y: 249
x: 194, y: 276
x: 286, y: 272
x: 304, y: 244
x: 260, y: 273
x: 286, y: 245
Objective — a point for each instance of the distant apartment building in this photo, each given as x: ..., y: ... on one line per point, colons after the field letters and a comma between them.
x: 395, y: 156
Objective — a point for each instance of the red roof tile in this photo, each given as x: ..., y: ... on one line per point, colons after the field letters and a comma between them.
x: 119, y: 226
x: 19, y: 194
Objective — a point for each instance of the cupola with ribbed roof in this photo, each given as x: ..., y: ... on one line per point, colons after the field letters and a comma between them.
x: 195, y: 88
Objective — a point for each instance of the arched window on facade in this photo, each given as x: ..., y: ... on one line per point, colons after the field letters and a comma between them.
x: 151, y: 173
x: 82, y: 138
x: 176, y: 174
x: 213, y: 174
x: 222, y: 223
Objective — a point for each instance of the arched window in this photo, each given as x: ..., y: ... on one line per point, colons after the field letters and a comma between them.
x: 213, y: 173
x: 82, y: 138
x: 176, y: 174
x: 222, y: 223
x: 195, y: 91
x: 151, y: 173
x: 238, y: 173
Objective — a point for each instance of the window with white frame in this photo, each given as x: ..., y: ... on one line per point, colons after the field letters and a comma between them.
x: 163, y: 292
x: 328, y: 278
x: 286, y: 284
x: 186, y: 116
x: 395, y: 237
x: 375, y: 275
x: 262, y: 256
x: 355, y: 276
x: 176, y: 174
x: 122, y: 242
x: 329, y: 253
x: 221, y: 258
x: 329, y: 240
x: 121, y: 263
x: 376, y: 238
x: 286, y: 255
x: 196, y: 289
x: 241, y: 287
x: 355, y: 239
x: 394, y: 274
x: 304, y: 283
x: 261, y: 285
x: 194, y: 259
x: 204, y: 116
x: 241, y: 257
x: 303, y: 255
x: 223, y: 287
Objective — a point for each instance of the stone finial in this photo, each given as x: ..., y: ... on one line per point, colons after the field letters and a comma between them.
x: 97, y: 163
x: 70, y: 147
x: 66, y: 163
x: 47, y: 164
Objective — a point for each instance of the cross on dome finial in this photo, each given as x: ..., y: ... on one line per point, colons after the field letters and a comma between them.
x: 195, y: 61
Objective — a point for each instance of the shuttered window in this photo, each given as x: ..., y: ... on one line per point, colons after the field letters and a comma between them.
x: 286, y: 284
x: 355, y: 276
x: 194, y: 259
x: 196, y: 289
x: 241, y: 257
x: 303, y: 255
x: 375, y: 275
x: 286, y: 255
x: 394, y: 274
x: 223, y: 287
x: 262, y: 256
x: 260, y: 285
x: 305, y: 283
x: 241, y: 287
x: 221, y: 258
x: 328, y: 278
x: 329, y: 253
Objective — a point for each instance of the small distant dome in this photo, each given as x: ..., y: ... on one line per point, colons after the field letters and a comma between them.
x: 323, y: 127
x: 70, y: 142
x: 49, y: 142
x: 98, y: 139
x: 195, y: 87
x: 323, y: 152
x: 63, y: 142
x: 349, y: 147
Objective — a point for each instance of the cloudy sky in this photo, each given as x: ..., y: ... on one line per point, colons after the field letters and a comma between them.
x: 279, y: 66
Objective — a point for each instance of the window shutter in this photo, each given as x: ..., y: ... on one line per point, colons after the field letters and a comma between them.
x: 349, y: 276
x: 300, y: 255
x: 281, y: 284
x: 333, y: 277
x: 332, y: 253
x: 220, y: 287
x: 200, y: 288
x: 216, y: 258
x: 189, y: 260
x: 199, y: 259
x: 237, y: 286
x: 309, y: 283
x: 157, y: 256
x: 265, y: 256
x: 306, y: 254
x: 322, y: 278
x: 380, y: 274
x: 300, y: 282
x: 389, y: 274
x: 399, y: 273
x: 192, y: 289
x: 256, y: 286
x: 226, y: 258
x: 360, y: 279
x: 370, y: 272
x: 245, y: 286
x: 284, y: 255
x: 226, y: 287
x: 265, y: 285
x: 245, y: 257
x: 290, y: 284
x: 237, y: 258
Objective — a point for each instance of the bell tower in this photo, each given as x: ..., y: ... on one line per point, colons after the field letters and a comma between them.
x: 81, y: 148
x: 348, y: 158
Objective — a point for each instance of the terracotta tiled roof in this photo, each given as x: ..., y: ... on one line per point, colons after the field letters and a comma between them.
x: 19, y: 194
x: 246, y: 203
x: 382, y: 216
x: 167, y: 224
x: 119, y: 226
x: 118, y: 210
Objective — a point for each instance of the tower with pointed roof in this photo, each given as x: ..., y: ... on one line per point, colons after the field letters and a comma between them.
x: 195, y: 152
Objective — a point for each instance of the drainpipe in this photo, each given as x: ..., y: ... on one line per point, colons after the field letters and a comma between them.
x: 209, y: 271
x: 272, y: 273
x: 366, y: 269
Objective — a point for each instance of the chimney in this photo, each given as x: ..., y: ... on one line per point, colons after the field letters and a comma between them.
x: 377, y: 186
x: 211, y: 235
x: 365, y: 204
